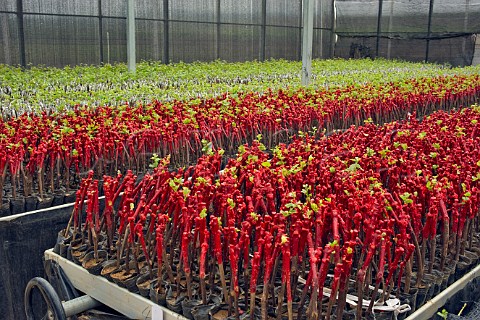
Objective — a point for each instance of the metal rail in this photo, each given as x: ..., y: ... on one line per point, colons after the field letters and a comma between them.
x: 430, y: 307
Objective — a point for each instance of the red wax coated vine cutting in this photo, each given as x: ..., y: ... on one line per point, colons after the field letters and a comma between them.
x: 356, y: 211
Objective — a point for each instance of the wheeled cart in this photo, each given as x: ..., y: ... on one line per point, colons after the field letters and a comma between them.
x: 98, y: 291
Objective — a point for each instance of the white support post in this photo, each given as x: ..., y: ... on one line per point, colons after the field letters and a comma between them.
x: 131, y: 58
x: 307, y: 41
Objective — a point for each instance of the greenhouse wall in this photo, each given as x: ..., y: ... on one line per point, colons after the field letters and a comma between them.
x: 70, y: 32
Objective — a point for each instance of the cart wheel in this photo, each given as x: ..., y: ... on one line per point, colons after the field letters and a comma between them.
x: 54, y: 305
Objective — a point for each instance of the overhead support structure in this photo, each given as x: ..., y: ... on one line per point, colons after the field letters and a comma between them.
x: 166, y: 33
x: 429, y: 30
x: 300, y: 29
x: 21, y: 33
x: 333, y: 33
x: 263, y: 32
x: 131, y: 55
x: 100, y: 31
x: 307, y: 41
x: 219, y: 20
x: 379, y: 28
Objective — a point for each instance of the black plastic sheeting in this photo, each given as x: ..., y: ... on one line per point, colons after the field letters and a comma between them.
x: 455, y: 50
x: 407, y: 18
x: 24, y: 238
x: 439, y: 31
